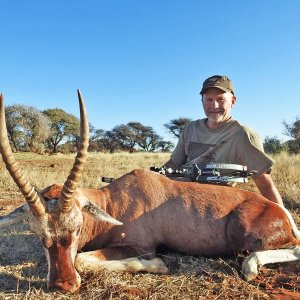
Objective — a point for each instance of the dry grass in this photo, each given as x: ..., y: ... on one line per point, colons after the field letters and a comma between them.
x: 23, y: 267
x: 287, y: 177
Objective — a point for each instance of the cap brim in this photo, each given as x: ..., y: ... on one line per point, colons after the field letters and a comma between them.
x: 218, y: 87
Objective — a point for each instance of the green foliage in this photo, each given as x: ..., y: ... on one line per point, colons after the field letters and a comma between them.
x: 293, y: 146
x: 293, y: 131
x: 125, y: 136
x: 165, y: 146
x: 145, y: 136
x: 175, y: 126
x: 64, y: 126
x: 131, y: 137
x: 272, y: 145
x: 27, y: 128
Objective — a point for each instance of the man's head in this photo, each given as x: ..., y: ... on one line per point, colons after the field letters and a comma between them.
x: 217, y: 99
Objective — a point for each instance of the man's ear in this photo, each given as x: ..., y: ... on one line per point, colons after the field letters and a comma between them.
x: 233, y: 100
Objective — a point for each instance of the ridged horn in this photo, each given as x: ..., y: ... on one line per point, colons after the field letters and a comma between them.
x: 66, y: 201
x: 32, y: 197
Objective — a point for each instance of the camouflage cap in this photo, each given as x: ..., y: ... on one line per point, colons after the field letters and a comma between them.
x: 217, y: 81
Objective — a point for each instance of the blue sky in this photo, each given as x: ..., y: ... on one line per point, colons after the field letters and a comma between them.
x: 145, y: 61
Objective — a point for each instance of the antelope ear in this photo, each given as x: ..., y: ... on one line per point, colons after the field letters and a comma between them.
x: 15, y: 216
x: 99, y: 213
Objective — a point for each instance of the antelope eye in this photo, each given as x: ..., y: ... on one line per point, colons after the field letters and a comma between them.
x: 63, y: 241
x: 47, y: 242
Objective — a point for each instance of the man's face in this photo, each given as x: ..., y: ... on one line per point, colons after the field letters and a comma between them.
x: 217, y: 106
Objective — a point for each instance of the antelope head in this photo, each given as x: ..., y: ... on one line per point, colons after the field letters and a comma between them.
x: 57, y: 222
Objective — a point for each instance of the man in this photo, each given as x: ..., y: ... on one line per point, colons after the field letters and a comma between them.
x: 221, y: 139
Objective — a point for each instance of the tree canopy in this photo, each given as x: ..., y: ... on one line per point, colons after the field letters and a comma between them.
x: 132, y: 137
x: 273, y: 145
x: 175, y: 126
x: 63, y: 126
x: 27, y: 127
x: 56, y: 130
x: 293, y: 131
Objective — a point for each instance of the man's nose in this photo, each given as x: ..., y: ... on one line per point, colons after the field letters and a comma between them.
x: 215, y: 104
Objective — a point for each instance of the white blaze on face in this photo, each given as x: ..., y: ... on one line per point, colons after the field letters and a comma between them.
x: 55, y: 267
x: 48, y: 262
x: 74, y: 249
x: 60, y: 234
x: 74, y: 245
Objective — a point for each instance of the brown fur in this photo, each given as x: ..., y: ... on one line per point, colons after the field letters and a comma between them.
x: 198, y: 219
x: 193, y: 218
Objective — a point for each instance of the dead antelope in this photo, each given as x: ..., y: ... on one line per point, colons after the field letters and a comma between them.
x: 120, y: 226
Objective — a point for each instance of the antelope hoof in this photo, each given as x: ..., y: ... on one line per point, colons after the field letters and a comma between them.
x: 250, y: 268
x: 160, y: 266
x: 250, y: 276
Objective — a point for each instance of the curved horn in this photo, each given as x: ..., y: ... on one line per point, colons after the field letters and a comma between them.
x: 28, y: 191
x: 66, y: 201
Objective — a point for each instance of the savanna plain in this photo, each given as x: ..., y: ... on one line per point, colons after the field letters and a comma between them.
x: 23, y: 266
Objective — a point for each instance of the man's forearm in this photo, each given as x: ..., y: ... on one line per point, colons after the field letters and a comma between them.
x: 272, y: 194
x: 268, y: 189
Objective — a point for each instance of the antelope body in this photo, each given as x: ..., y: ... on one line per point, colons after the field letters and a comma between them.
x: 120, y: 226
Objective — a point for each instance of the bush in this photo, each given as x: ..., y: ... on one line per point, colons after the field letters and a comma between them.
x: 272, y: 145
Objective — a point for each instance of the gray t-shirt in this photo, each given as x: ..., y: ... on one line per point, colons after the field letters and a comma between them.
x: 232, y: 143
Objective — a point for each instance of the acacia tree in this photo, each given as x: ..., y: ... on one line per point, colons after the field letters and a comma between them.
x: 96, y: 139
x: 14, y: 124
x: 110, y: 142
x: 64, y: 126
x: 293, y: 131
x: 165, y: 146
x: 126, y: 136
x: 146, y: 137
x: 175, y: 126
x: 27, y: 127
x: 102, y: 140
x: 97, y: 134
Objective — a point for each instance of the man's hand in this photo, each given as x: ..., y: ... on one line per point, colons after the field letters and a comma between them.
x: 268, y: 189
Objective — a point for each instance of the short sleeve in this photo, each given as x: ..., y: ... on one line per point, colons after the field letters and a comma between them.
x: 179, y: 155
x: 253, y: 155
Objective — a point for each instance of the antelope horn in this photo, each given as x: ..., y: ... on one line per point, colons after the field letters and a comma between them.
x: 66, y: 201
x: 32, y: 197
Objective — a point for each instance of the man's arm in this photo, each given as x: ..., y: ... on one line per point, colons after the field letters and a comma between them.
x: 268, y: 189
